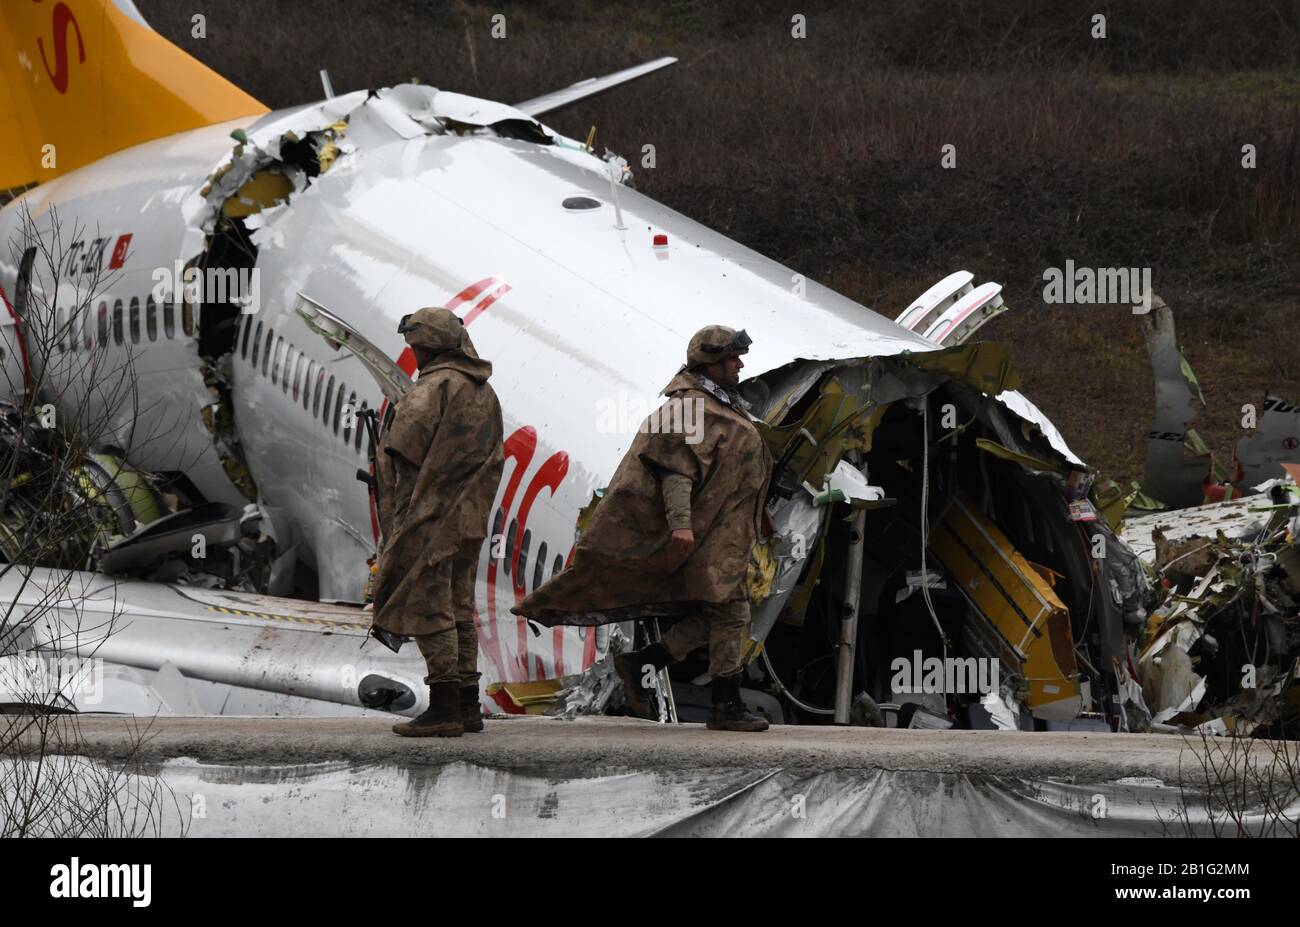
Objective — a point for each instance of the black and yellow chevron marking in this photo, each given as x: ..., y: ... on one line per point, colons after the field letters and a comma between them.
x: 291, y: 619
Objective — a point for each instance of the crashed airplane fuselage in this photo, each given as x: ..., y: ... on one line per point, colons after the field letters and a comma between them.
x: 583, y: 293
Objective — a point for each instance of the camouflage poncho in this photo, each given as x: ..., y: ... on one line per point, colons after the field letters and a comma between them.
x: 624, y: 566
x: 440, y: 461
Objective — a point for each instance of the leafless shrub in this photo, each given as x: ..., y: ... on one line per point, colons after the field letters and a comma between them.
x: 73, y: 405
x: 1239, y: 786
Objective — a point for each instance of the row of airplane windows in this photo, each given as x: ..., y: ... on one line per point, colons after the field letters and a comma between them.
x: 539, y: 566
x: 292, y: 369
x: 123, y: 324
x: 77, y: 329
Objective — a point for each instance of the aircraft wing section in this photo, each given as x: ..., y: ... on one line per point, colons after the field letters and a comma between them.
x: 312, y: 650
x: 589, y: 87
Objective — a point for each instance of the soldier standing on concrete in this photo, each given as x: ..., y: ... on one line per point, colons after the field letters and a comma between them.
x: 439, y: 465
x: 673, y: 534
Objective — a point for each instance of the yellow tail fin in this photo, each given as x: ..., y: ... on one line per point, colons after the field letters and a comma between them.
x: 80, y: 79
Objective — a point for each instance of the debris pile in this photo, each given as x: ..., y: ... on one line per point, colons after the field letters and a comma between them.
x: 1221, y: 651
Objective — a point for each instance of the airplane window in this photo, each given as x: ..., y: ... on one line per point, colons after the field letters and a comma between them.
x: 187, y: 317
x: 523, y: 552
x: 307, y: 385
x: 151, y: 318
x: 248, y: 327
x: 169, y: 319
x: 497, y: 519
x: 279, y: 360
x: 338, y: 408
x: 134, y: 318
x: 360, y: 429
x: 510, y: 544
x: 541, y: 565
x: 298, y: 365
x: 257, y: 344
x: 103, y: 324
x: 351, y: 426
x: 329, y: 393
x: 288, y: 355
x: 117, y: 321
x: 316, y: 391
x: 266, y: 350
x: 23, y: 285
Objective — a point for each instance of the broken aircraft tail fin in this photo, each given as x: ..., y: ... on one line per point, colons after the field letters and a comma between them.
x: 80, y: 79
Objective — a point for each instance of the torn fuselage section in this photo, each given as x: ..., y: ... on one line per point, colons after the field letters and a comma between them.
x: 988, y: 590
x: 222, y: 288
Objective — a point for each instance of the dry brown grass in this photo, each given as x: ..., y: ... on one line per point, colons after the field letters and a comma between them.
x: 824, y: 153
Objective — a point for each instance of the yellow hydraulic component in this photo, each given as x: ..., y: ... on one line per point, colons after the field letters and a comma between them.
x: 80, y: 79
x: 1031, y: 623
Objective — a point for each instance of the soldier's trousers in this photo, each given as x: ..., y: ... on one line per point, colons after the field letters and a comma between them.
x: 722, y: 626
x: 451, y: 652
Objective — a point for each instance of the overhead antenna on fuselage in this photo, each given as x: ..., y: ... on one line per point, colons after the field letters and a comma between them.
x: 615, y: 175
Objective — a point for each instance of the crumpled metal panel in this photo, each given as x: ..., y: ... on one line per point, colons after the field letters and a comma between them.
x: 796, y: 524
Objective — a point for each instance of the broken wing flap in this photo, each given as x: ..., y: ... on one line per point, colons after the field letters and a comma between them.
x: 952, y: 310
x: 967, y: 315
x: 393, y: 381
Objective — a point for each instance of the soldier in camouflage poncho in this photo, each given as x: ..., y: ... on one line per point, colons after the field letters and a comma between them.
x: 440, y: 462
x: 673, y: 534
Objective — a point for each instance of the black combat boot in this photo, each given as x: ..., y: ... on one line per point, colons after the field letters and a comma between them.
x: 471, y: 710
x: 630, y: 668
x: 440, y: 719
x: 729, y: 712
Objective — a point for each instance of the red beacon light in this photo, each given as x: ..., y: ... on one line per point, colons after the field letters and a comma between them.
x: 661, y: 240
